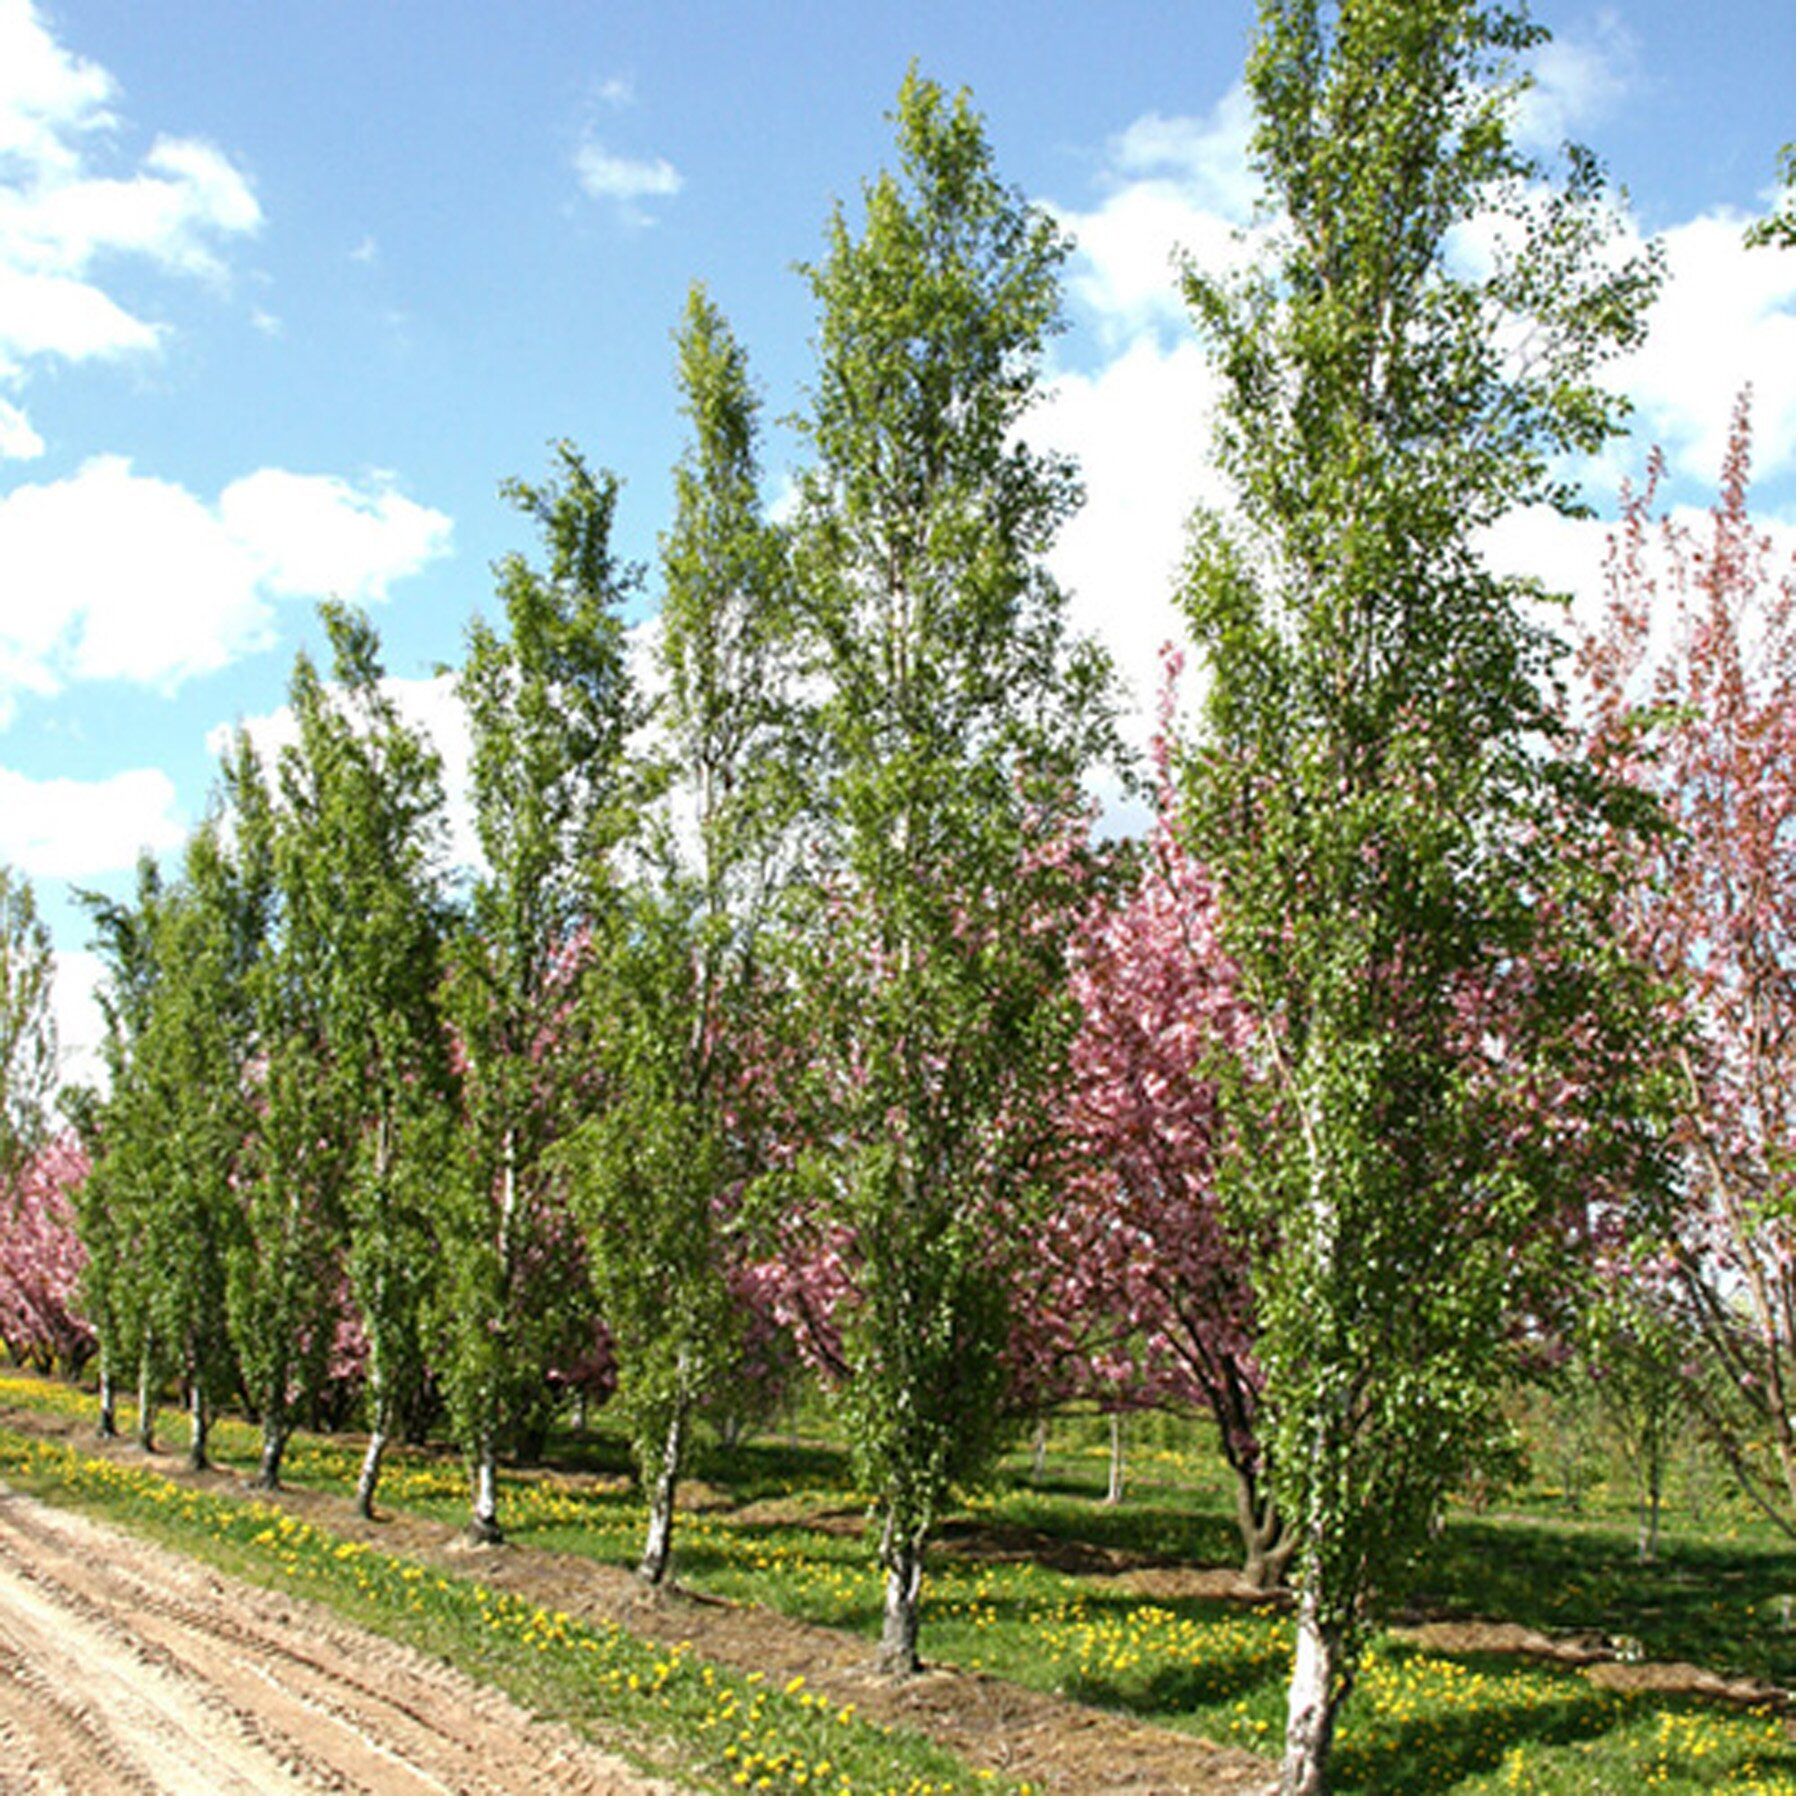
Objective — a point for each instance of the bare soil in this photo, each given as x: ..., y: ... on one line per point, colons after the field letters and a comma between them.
x: 125, y: 1669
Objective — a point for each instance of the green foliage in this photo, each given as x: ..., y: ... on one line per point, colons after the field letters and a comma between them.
x: 550, y: 707
x: 1777, y: 230
x: 1400, y: 856
x: 358, y: 1082
x: 675, y: 992
x: 957, y: 717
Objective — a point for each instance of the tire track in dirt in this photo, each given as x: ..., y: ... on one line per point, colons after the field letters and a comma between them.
x: 127, y: 1669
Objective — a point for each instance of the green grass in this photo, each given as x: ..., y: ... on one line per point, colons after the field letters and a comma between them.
x: 1417, y: 1722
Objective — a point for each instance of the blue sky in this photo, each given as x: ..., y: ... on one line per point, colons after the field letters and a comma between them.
x: 286, y: 289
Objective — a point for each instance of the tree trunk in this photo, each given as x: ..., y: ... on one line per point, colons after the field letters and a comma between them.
x: 274, y: 1447
x: 1650, y: 1516
x: 662, y: 1506
x: 200, y: 1422
x: 369, y: 1476
x: 1314, y: 1695
x: 903, y: 1559
x: 1115, y: 1464
x: 108, y: 1426
x: 484, y: 1512
x: 1268, y: 1538
x: 1040, y: 1445
x: 146, y: 1431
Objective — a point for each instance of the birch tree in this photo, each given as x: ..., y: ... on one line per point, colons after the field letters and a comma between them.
x: 677, y: 986
x: 550, y: 707
x: 1378, y: 792
x: 360, y: 1085
x: 957, y: 717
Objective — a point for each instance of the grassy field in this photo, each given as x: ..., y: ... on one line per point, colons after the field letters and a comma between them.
x: 778, y: 1526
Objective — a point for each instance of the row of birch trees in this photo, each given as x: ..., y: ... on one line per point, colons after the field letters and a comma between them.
x: 792, y: 1003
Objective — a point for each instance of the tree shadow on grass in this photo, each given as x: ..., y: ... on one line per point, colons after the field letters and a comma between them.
x: 1717, y: 1605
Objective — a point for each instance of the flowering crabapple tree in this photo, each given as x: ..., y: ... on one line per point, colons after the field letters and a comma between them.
x: 1691, y: 696
x: 42, y: 1323
x: 1140, y: 1246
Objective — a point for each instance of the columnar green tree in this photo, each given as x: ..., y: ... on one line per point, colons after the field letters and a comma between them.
x: 1376, y: 793
x: 360, y: 860
x: 357, y: 1081
x: 956, y: 718
x: 281, y: 1263
x: 193, y: 1118
x: 550, y: 709
x: 112, y: 1204
x: 675, y: 987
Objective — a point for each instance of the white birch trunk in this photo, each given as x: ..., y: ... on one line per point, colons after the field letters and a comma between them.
x: 369, y: 1475
x: 146, y: 1430
x: 108, y: 1426
x: 274, y: 1447
x: 200, y: 1422
x: 484, y: 1520
x: 903, y: 1557
x: 1314, y: 1694
x: 658, y: 1536
x: 1115, y: 1464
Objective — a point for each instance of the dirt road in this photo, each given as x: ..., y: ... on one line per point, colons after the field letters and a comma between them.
x: 125, y: 1669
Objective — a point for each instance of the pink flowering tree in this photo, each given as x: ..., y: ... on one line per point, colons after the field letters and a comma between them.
x: 1145, y: 1267
x: 1691, y: 688
x: 41, y: 1260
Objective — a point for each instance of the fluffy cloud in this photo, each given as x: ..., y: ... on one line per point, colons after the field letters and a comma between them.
x: 625, y: 180
x: 1725, y: 320
x: 59, y: 216
x: 136, y: 579
x: 80, y: 1024
x: 64, y: 830
x: 1141, y: 426
x: 1577, y: 80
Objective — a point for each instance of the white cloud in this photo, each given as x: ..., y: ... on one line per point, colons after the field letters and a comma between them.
x: 47, y: 96
x: 61, y: 829
x: 616, y: 90
x: 59, y: 217
x: 1142, y: 428
x: 1725, y: 318
x: 625, y: 180
x: 136, y: 579
x: 316, y: 534
x: 80, y: 1024
x: 1175, y: 187
x: 18, y: 441
x: 1578, y: 78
